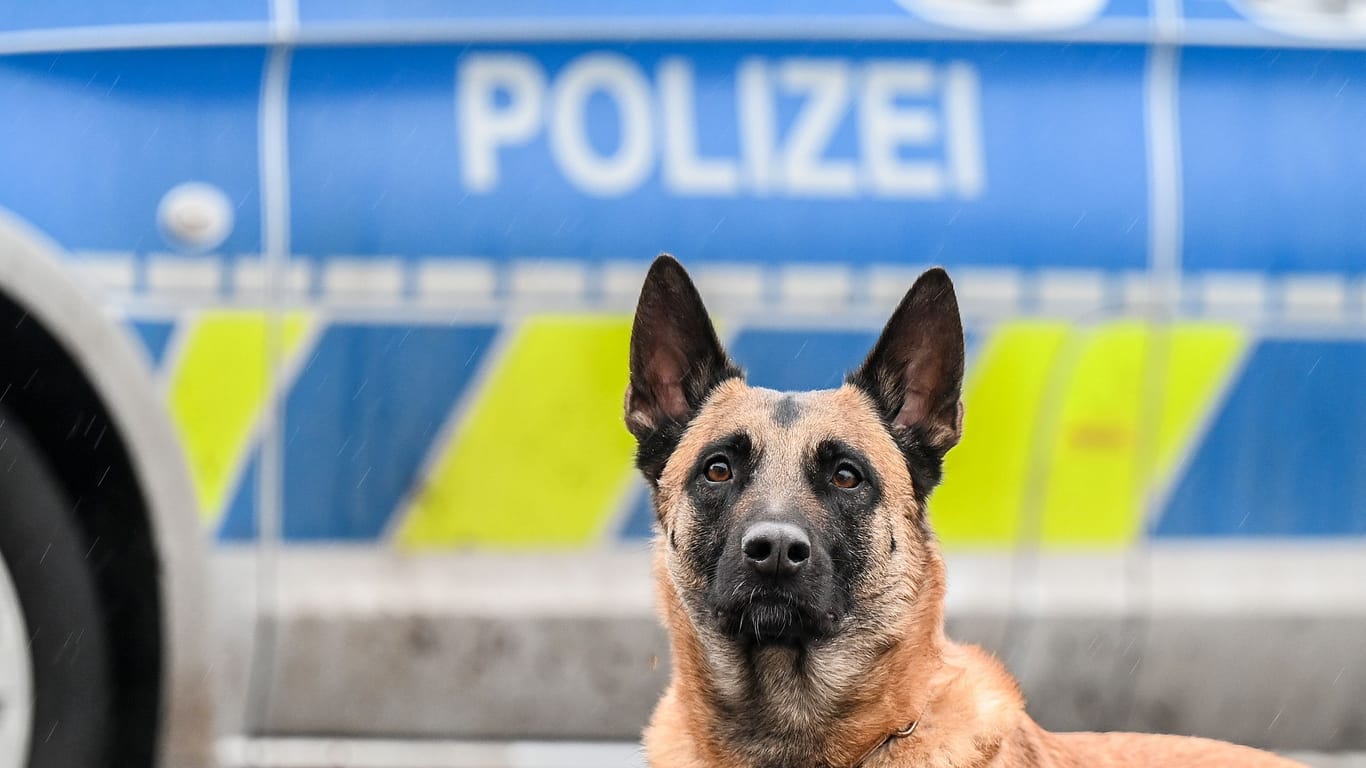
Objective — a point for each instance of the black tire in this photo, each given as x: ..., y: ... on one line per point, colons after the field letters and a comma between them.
x: 44, y: 550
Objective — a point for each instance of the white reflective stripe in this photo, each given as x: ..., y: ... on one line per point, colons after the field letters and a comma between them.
x: 248, y: 283
x: 621, y: 282
x: 1241, y: 295
x: 549, y: 278
x: 1072, y: 291
x: 378, y: 281
x: 1321, y: 298
x: 844, y: 293
x: 173, y: 275
x: 989, y: 291
x: 886, y: 286
x: 732, y: 286
x: 806, y: 289
x: 456, y: 281
x: 1138, y: 293
x: 105, y: 270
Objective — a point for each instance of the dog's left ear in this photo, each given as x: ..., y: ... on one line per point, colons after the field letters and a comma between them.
x: 915, y: 371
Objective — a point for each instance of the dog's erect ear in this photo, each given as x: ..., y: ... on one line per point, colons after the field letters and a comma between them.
x: 915, y: 371
x: 676, y: 358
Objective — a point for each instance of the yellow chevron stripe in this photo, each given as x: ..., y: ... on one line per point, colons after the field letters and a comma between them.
x: 1135, y: 398
x: 989, y: 473
x: 1077, y: 426
x: 542, y: 457
x: 216, y: 390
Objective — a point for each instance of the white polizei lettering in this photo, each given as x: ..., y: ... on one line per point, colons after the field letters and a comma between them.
x: 619, y: 79
x: 754, y: 105
x: 963, y: 119
x: 685, y: 171
x: 485, y: 125
x: 825, y: 84
x: 885, y: 126
x: 917, y: 126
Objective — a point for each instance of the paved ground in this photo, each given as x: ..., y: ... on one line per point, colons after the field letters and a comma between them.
x: 354, y: 753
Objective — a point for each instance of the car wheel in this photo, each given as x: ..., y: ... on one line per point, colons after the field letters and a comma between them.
x: 54, y: 652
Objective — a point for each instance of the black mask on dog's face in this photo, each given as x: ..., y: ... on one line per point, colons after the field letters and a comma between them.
x: 790, y: 519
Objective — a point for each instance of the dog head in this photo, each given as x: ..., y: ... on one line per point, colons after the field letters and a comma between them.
x: 793, y: 519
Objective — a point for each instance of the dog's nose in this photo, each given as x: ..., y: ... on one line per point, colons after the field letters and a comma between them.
x: 776, y: 549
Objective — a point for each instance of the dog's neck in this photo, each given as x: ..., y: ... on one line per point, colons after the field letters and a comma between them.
x: 818, y: 707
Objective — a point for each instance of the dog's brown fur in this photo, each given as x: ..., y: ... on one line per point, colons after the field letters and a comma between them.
x: 889, y: 664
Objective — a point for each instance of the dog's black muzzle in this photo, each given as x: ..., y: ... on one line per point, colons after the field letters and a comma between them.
x: 773, y: 586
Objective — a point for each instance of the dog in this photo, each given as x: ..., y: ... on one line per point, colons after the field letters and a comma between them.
x: 798, y: 577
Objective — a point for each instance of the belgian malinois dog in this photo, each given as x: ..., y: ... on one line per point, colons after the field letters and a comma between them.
x: 797, y: 574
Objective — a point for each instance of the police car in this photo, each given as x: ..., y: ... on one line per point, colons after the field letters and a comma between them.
x: 276, y: 275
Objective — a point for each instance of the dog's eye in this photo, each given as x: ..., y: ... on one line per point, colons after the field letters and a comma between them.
x: 846, y: 477
x: 718, y: 470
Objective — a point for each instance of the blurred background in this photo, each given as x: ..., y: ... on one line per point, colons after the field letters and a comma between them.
x: 313, y: 327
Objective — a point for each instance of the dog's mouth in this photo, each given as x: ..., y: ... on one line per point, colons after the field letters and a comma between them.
x: 768, y: 616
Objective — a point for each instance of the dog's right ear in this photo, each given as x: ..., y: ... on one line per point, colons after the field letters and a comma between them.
x: 676, y: 360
